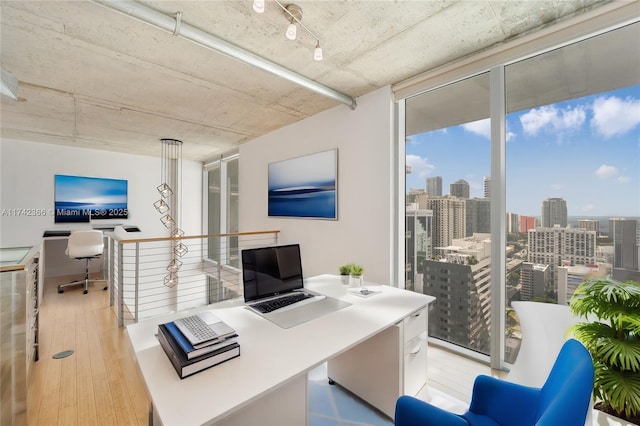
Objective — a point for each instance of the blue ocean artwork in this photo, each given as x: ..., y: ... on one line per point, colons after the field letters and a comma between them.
x: 303, y: 202
x: 304, y: 187
x: 79, y: 198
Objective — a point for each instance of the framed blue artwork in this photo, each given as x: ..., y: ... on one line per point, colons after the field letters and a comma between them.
x: 305, y: 187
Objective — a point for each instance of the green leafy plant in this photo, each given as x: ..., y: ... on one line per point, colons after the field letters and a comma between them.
x: 611, y: 333
x: 346, y: 269
x: 356, y: 270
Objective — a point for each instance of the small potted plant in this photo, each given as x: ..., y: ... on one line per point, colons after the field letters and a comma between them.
x: 356, y: 274
x: 611, y: 333
x: 345, y: 273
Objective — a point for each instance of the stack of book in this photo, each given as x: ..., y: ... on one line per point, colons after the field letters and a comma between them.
x: 189, y: 356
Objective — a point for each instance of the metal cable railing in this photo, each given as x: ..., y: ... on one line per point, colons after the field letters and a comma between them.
x: 147, y: 277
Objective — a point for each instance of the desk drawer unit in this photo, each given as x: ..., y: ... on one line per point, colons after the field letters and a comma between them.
x: 415, y: 351
x: 388, y: 365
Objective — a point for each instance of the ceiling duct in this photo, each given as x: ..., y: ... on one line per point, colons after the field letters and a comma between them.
x: 179, y: 28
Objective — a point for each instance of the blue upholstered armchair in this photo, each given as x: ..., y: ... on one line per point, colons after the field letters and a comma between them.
x: 562, y: 400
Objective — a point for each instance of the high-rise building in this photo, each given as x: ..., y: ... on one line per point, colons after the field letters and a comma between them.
x: 590, y: 225
x: 527, y: 223
x: 513, y: 223
x: 434, y: 186
x: 534, y: 280
x: 554, y: 212
x: 418, y: 228
x: 461, y: 283
x: 460, y: 189
x: 559, y: 246
x: 487, y: 187
x: 570, y: 277
x: 449, y: 220
x: 478, y: 216
x: 626, y: 248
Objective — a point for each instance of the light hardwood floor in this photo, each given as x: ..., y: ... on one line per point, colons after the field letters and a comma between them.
x: 99, y: 384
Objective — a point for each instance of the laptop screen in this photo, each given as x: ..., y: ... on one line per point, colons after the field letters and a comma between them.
x: 268, y: 271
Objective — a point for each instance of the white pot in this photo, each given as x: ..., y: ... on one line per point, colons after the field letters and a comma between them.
x: 345, y: 279
x: 356, y: 280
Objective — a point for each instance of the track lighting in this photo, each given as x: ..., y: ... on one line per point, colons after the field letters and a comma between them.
x: 291, y: 32
x: 293, y: 13
x: 258, y: 6
x: 317, y: 53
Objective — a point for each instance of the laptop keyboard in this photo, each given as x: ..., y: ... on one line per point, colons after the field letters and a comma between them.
x: 273, y: 304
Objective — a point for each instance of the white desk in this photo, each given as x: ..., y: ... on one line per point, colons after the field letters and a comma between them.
x: 267, y: 384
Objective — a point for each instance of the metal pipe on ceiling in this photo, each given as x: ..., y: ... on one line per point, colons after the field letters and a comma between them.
x: 178, y: 27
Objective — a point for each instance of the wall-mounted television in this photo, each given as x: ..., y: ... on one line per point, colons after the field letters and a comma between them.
x: 82, y: 198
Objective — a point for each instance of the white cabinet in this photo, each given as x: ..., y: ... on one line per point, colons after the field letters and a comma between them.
x: 390, y: 364
x: 18, y: 330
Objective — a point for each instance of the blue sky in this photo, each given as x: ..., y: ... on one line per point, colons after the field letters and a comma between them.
x: 586, y: 151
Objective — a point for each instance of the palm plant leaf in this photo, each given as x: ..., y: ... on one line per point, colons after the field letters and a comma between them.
x: 612, y: 336
x: 620, y: 390
x: 621, y: 354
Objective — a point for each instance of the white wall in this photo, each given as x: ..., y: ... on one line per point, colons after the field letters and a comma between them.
x: 363, y: 231
x: 27, y: 172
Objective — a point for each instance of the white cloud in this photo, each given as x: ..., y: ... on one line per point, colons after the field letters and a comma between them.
x: 614, y: 116
x: 605, y: 171
x: 550, y: 118
x: 483, y: 128
x: 480, y: 127
x: 419, y: 166
x: 623, y: 179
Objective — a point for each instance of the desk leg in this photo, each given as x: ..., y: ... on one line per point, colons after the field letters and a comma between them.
x: 284, y: 406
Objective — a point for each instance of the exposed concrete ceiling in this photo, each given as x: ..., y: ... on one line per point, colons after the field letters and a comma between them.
x: 93, y: 77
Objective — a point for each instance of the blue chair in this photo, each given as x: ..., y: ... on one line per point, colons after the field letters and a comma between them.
x: 562, y: 400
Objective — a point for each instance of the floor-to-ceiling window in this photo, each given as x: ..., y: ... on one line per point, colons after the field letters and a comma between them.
x: 221, y: 215
x: 448, y: 230
x: 570, y: 179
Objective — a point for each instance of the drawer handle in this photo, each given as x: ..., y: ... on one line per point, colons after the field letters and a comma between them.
x: 417, y: 314
x: 416, y: 349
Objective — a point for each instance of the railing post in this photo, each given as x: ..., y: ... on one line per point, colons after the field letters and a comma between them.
x: 120, y: 281
x: 136, y: 282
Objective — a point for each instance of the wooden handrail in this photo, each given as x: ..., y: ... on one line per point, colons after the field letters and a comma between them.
x: 190, y: 237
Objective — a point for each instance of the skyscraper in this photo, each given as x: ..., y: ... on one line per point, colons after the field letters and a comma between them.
x: 561, y: 246
x: 533, y: 280
x: 487, y: 187
x: 478, y: 216
x: 434, y: 186
x: 418, y: 229
x: 459, y: 188
x: 590, y: 225
x: 626, y: 248
x: 526, y: 223
x: 449, y: 220
x: 460, y: 281
x: 554, y: 212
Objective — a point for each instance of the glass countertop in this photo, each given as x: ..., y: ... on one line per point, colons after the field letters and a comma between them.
x: 12, y: 256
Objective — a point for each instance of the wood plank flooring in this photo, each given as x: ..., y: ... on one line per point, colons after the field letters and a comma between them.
x: 99, y: 384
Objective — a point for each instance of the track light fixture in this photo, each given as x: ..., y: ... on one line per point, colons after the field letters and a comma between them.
x: 317, y: 53
x: 293, y: 13
x: 292, y: 31
x: 258, y: 6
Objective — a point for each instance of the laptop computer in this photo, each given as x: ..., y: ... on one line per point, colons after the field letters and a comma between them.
x: 274, y: 286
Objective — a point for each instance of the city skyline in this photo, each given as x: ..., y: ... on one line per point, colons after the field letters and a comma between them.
x: 595, y: 139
